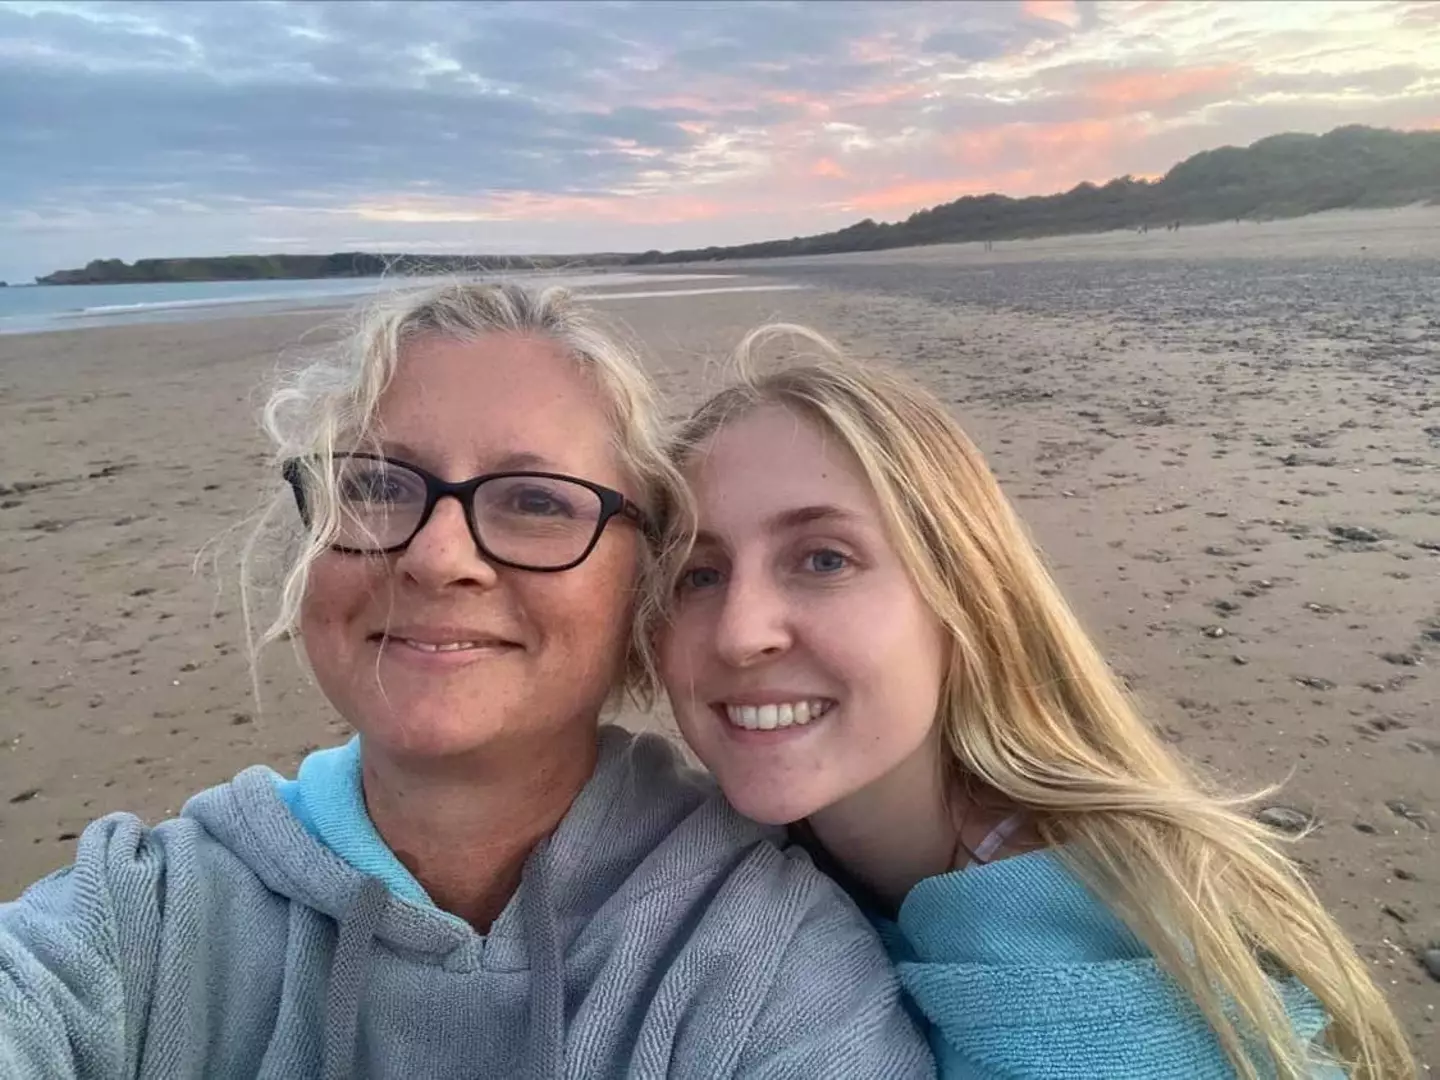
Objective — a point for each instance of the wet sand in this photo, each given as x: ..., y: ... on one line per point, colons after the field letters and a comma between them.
x: 1227, y: 440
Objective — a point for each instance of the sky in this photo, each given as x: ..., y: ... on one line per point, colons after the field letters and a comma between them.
x: 136, y: 130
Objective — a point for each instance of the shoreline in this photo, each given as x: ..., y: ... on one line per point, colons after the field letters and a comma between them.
x: 1390, y: 233
x: 183, y: 309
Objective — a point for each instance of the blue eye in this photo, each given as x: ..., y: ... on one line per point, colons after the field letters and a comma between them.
x: 699, y: 577
x: 826, y: 561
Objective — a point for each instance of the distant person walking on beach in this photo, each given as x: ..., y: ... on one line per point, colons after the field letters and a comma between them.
x: 863, y: 642
x: 485, y: 882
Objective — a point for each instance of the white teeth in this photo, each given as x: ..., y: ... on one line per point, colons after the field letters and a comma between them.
x: 772, y: 717
x: 449, y: 646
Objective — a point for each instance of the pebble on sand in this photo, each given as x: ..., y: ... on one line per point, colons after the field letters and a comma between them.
x: 1285, y: 819
x: 1357, y: 533
x: 1401, y: 659
x: 1432, y: 963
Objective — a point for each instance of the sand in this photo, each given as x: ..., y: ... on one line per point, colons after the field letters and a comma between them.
x: 1227, y: 441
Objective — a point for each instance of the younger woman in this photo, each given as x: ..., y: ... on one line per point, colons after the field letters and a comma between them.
x: 861, y: 638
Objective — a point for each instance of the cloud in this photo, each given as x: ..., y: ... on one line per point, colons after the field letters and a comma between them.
x: 1156, y: 89
x: 1065, y: 12
x: 168, y: 128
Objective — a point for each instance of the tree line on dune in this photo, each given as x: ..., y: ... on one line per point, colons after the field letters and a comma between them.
x: 345, y: 264
x: 1283, y: 176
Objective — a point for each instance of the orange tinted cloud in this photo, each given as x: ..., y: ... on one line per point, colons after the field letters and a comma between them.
x: 1136, y: 91
x: 884, y: 95
x: 811, y: 104
x: 1013, y: 159
x: 870, y: 147
x: 1058, y: 144
x: 1423, y: 15
x: 1066, y: 12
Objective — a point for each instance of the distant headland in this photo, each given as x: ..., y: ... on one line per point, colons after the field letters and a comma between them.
x: 1282, y: 176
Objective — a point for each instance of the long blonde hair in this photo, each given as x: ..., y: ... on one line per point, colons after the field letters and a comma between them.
x: 328, y: 403
x: 1030, y: 709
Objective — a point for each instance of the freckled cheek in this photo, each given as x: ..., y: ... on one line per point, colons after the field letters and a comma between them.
x: 338, y: 591
x: 590, y: 612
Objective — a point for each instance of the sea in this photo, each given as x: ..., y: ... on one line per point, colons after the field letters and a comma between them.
x: 37, y: 308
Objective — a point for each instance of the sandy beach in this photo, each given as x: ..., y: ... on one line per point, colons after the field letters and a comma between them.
x: 1226, y: 439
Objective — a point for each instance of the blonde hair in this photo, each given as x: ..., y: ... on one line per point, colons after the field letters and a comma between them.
x: 328, y: 404
x: 1030, y: 709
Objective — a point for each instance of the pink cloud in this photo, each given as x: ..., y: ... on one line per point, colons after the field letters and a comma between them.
x: 883, y: 95
x: 1425, y: 15
x: 1065, y: 12
x: 878, y: 147
x: 1060, y: 149
x: 1142, y: 89
x: 809, y: 104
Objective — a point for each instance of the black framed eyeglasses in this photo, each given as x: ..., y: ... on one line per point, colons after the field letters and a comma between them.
x: 538, y: 521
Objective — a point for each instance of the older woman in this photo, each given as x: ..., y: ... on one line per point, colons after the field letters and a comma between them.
x: 485, y: 881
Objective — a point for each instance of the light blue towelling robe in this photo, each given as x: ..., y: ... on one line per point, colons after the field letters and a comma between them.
x: 1025, y: 975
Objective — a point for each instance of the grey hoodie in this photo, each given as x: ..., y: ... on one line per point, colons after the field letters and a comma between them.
x: 655, y: 933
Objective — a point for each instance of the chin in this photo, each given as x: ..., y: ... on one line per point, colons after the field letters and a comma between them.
x: 421, y: 733
x: 413, y: 741
x: 764, y: 807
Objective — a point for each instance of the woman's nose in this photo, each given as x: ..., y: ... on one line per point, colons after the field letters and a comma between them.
x: 754, y: 623
x: 444, y: 552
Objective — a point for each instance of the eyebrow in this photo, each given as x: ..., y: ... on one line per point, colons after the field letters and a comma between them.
x: 791, y: 519
x: 518, y: 461
x: 807, y: 515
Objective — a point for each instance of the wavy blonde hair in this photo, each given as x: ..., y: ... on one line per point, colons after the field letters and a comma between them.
x: 328, y: 403
x: 1031, y: 710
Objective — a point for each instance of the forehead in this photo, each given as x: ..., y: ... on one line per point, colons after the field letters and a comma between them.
x: 499, y: 395
x: 772, y: 459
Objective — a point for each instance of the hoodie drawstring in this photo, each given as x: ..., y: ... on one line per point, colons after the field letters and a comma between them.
x: 347, y: 978
x: 547, y: 975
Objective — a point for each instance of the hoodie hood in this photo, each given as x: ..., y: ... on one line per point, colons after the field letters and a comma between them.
x: 615, y: 827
